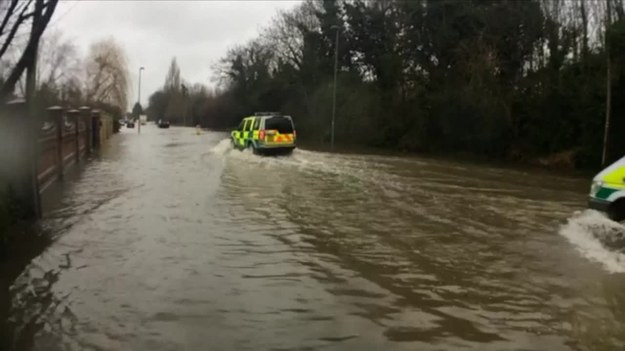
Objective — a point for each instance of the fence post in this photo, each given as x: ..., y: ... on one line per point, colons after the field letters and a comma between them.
x: 56, y: 115
x: 19, y: 157
x: 85, y: 114
x: 73, y: 115
x: 95, y: 122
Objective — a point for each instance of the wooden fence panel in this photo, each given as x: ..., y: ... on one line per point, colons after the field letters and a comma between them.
x: 37, y: 152
x: 83, y: 138
x: 69, y: 143
x: 48, y: 163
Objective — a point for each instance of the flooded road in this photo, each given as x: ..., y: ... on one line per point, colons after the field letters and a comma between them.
x: 173, y: 241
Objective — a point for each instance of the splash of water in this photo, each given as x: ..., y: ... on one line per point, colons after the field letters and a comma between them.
x: 221, y: 148
x: 598, y: 239
x: 310, y: 162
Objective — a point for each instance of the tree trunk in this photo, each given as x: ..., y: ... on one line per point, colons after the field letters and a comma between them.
x: 584, y: 31
x: 608, y: 95
x: 31, y: 62
x: 619, y: 10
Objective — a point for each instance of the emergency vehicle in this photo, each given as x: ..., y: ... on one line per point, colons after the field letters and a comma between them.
x: 607, y: 192
x: 265, y: 133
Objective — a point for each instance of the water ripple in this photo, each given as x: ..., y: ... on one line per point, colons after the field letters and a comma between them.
x: 170, y: 240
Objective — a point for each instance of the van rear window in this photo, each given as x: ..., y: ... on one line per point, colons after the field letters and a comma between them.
x: 281, y: 124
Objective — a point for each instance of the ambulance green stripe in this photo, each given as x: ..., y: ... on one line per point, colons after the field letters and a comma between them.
x: 604, y: 193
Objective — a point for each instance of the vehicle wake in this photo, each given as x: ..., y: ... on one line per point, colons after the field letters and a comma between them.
x: 597, y: 238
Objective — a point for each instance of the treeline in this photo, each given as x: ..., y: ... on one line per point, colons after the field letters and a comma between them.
x: 62, y: 76
x: 100, y: 79
x: 183, y: 103
x: 520, y: 80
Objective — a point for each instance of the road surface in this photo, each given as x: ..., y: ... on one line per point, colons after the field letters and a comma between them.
x: 173, y: 241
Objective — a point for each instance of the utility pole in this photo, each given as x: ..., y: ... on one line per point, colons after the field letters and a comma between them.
x: 336, y: 65
x: 184, y: 104
x: 139, y: 101
x: 608, y: 95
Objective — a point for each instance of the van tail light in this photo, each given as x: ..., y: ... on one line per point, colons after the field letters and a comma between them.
x: 294, y: 134
x: 261, y: 134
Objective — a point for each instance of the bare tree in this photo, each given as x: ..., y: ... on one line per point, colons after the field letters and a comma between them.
x: 15, y: 16
x: 174, y: 89
x: 58, y: 61
x: 107, y: 74
x: 285, y: 36
x: 172, y: 80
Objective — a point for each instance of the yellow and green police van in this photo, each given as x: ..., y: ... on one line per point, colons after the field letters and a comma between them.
x: 607, y: 193
x: 265, y: 133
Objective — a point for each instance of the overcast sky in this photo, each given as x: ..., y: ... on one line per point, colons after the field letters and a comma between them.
x: 197, y: 33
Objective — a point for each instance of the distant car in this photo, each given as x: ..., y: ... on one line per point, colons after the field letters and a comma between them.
x: 265, y: 133
x: 163, y: 124
x: 130, y: 124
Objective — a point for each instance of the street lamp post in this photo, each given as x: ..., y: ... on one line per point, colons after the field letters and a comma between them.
x: 139, y: 100
x: 336, y: 64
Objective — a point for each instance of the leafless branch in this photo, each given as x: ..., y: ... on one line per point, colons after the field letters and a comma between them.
x: 9, y: 12
x: 41, y: 17
x: 16, y: 25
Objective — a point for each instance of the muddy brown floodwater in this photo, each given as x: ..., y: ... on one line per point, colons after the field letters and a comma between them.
x: 173, y: 241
